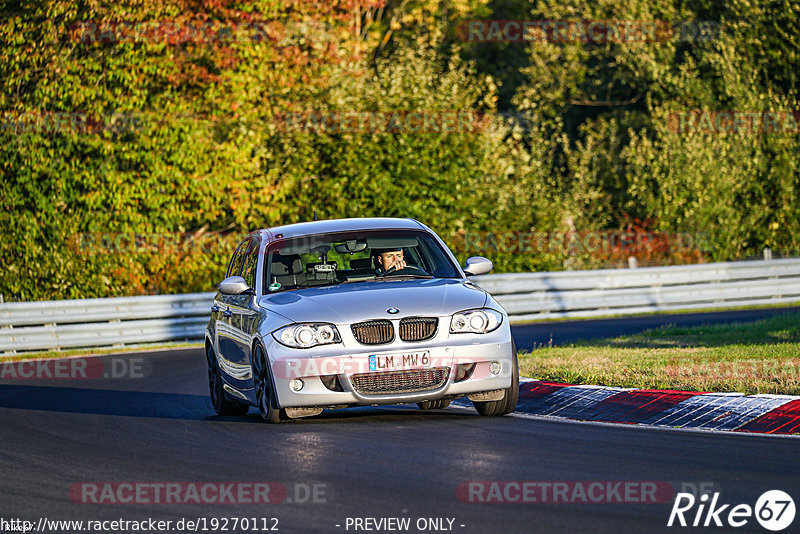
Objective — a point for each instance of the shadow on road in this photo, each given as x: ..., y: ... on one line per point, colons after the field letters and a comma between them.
x: 181, y: 406
x: 105, y: 402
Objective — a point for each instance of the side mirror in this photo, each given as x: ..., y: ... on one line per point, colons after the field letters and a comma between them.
x: 477, y: 265
x: 234, y: 285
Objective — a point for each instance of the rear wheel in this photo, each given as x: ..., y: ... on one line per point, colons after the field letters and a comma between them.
x: 265, y: 393
x: 221, y: 404
x: 508, y: 403
x: 434, y: 405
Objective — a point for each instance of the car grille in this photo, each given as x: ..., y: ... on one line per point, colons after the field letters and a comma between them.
x: 373, y: 332
x: 418, y: 328
x: 400, y: 381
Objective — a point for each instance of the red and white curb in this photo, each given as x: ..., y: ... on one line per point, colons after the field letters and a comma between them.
x: 767, y: 414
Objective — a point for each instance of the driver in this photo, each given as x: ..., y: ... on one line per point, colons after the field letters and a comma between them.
x: 389, y: 258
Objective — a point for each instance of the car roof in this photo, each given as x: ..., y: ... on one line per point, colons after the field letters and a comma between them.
x: 289, y: 231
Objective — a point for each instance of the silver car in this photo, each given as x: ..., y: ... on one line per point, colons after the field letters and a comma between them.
x: 355, y: 312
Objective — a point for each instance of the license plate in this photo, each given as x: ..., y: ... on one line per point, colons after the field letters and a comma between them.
x: 401, y: 360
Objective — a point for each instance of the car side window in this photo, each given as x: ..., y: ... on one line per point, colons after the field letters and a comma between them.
x: 235, y: 266
x: 250, y: 262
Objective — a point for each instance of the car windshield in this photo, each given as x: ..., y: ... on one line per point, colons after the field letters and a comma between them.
x: 341, y: 258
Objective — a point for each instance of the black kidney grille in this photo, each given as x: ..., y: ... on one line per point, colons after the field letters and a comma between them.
x: 418, y: 328
x: 373, y: 332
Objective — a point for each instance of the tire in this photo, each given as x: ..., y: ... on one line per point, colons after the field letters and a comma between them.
x: 508, y: 403
x: 222, y: 405
x: 434, y: 405
x: 265, y: 393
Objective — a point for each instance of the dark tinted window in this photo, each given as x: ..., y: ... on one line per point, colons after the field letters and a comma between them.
x: 250, y: 261
x: 235, y: 266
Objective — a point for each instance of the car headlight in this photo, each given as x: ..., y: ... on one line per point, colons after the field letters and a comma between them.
x: 306, y: 335
x: 478, y: 321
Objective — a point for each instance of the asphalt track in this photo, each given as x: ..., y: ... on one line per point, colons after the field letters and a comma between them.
x: 373, y: 462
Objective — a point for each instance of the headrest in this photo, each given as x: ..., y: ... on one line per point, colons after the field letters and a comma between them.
x: 286, y: 265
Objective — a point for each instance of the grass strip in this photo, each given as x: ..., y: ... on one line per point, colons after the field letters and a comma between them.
x: 749, y: 357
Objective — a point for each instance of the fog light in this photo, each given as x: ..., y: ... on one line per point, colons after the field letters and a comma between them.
x: 494, y: 368
x: 296, y: 384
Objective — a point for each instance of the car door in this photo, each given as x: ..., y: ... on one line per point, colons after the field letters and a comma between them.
x: 244, y: 318
x: 222, y: 312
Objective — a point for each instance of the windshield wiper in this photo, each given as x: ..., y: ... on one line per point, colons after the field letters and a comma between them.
x: 412, y: 276
x: 391, y: 277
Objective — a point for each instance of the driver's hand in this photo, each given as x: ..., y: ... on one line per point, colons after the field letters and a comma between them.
x: 398, y: 264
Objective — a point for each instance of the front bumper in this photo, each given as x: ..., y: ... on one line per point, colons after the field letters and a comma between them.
x: 349, y: 358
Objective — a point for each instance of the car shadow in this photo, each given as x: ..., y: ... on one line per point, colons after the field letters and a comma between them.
x: 372, y: 414
x: 183, y: 406
x: 105, y: 402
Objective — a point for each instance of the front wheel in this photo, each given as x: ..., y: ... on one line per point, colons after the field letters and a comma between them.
x: 221, y: 404
x: 508, y: 403
x: 265, y: 393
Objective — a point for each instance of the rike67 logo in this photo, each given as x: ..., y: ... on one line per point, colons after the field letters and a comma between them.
x: 774, y: 510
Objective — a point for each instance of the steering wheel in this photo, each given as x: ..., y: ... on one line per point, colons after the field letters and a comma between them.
x: 408, y: 269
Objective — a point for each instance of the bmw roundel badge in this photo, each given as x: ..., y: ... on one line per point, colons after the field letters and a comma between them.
x: 393, y: 310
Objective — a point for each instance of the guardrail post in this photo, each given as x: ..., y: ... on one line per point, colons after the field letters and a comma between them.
x: 632, y: 263
x: 767, y: 254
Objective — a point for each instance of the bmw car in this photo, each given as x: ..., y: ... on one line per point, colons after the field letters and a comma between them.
x: 355, y: 312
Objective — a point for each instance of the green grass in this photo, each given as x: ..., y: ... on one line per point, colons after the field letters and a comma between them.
x: 754, y: 357
x: 144, y: 347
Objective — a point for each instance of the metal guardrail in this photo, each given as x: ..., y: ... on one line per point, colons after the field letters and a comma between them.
x: 111, y: 322
x: 62, y: 324
x: 532, y: 296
